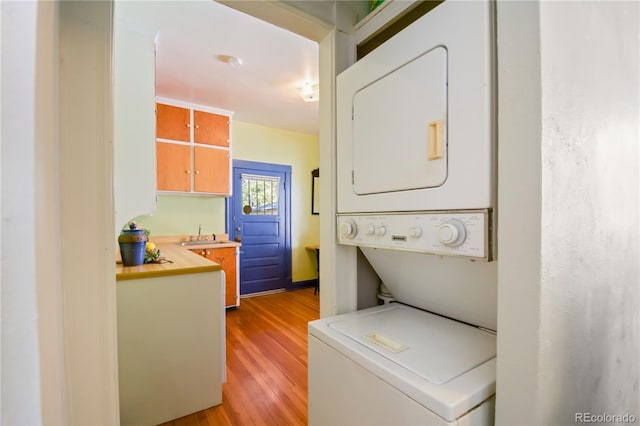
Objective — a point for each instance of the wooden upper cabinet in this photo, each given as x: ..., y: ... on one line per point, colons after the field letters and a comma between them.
x: 173, y: 123
x: 210, y: 129
x: 211, y: 170
x: 193, y: 150
x: 173, y: 167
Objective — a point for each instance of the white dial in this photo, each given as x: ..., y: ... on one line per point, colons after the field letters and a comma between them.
x: 348, y: 228
x: 381, y: 230
x: 415, y: 231
x: 370, y: 229
x: 452, y: 233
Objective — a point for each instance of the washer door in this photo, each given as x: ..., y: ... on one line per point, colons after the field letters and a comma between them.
x: 433, y: 347
x: 417, y: 351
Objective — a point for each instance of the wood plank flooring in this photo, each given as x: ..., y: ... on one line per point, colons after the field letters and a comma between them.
x: 266, y: 363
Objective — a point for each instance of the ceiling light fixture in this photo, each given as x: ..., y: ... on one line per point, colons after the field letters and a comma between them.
x: 232, y: 61
x: 309, y: 92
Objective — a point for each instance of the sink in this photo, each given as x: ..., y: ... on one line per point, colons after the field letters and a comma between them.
x: 201, y: 242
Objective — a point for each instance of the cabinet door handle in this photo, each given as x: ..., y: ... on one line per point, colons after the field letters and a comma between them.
x: 208, y: 252
x: 197, y: 126
x: 187, y: 171
x: 188, y: 125
x: 197, y: 172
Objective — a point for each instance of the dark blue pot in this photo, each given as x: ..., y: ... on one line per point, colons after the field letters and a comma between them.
x: 133, y: 244
x: 132, y: 253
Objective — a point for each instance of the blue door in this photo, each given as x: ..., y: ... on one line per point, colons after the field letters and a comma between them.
x: 259, y: 218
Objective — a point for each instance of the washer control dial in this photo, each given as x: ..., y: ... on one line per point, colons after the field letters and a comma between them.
x: 348, y: 229
x: 448, y: 233
x: 452, y: 233
x: 415, y: 232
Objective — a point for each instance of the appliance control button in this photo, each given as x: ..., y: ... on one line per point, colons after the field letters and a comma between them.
x: 452, y: 233
x: 381, y: 230
x: 348, y: 228
x: 370, y: 229
x: 415, y: 232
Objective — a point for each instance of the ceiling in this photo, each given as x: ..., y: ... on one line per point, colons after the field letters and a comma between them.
x: 194, y: 37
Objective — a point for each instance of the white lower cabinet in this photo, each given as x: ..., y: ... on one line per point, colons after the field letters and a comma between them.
x: 171, y: 346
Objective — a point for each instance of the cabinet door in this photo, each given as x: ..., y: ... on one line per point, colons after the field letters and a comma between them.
x: 173, y: 167
x: 226, y: 258
x: 173, y: 123
x: 210, y: 129
x: 211, y: 170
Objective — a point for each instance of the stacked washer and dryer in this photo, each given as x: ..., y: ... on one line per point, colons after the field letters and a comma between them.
x: 416, y: 195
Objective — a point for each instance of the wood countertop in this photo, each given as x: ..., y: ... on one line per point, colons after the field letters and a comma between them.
x: 184, y: 262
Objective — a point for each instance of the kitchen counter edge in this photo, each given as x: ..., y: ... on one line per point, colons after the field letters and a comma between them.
x: 183, y: 262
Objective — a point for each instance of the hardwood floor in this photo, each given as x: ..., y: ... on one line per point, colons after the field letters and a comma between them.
x: 266, y: 363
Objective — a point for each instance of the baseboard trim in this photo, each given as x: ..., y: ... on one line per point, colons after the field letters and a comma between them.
x: 294, y: 286
x: 303, y: 284
x: 262, y: 293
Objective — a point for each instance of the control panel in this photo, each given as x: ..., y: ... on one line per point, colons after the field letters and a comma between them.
x: 456, y: 233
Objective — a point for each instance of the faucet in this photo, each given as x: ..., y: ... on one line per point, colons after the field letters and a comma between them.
x: 199, y: 232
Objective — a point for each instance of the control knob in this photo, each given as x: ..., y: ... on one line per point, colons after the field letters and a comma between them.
x: 348, y: 228
x: 415, y: 232
x: 452, y: 233
x: 381, y: 230
x: 370, y: 230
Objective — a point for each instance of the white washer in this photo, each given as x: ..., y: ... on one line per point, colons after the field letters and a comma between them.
x: 398, y: 365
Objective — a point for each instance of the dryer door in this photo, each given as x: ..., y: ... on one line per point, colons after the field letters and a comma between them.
x: 415, y: 117
x: 399, y: 128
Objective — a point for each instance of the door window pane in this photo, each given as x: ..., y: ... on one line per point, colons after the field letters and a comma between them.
x: 260, y: 194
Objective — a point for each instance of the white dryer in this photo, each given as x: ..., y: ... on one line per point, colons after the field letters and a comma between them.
x: 415, y: 117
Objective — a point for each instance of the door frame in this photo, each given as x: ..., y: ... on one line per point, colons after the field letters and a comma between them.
x: 228, y: 207
x: 99, y: 326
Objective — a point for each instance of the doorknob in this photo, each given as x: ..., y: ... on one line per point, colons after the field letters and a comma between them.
x: 238, y: 238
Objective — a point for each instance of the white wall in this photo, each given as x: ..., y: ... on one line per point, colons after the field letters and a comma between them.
x: 568, y: 309
x: 134, y: 123
x: 33, y: 372
x: 58, y: 274
x: 518, y: 210
x: 21, y: 382
x: 338, y: 263
x: 86, y: 211
x: 589, y: 276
